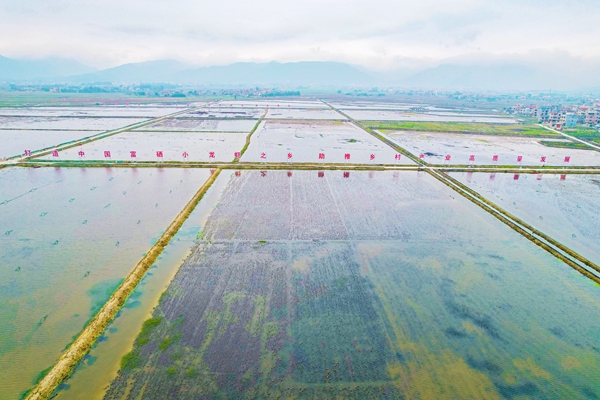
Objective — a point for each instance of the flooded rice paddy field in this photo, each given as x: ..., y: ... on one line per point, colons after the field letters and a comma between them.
x: 68, y: 237
x: 305, y: 140
x: 195, y: 124
x: 15, y: 142
x: 225, y: 112
x: 564, y: 207
x: 197, y: 145
x: 460, y: 146
x: 275, y: 103
x: 374, y: 115
x: 53, y: 123
x: 100, y: 111
x: 366, y: 285
x: 93, y: 375
x: 283, y: 113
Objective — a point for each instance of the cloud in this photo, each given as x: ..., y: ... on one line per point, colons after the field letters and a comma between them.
x: 376, y: 34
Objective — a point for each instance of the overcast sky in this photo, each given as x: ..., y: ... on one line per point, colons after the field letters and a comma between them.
x: 377, y: 34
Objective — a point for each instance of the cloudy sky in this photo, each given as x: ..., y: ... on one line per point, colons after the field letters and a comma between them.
x: 377, y: 34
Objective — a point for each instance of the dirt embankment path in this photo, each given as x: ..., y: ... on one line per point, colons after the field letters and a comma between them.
x: 80, y: 347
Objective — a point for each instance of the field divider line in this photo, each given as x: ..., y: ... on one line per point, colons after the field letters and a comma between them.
x: 298, y: 166
x: 565, y: 254
x: 102, y: 135
x: 571, y: 137
x: 88, y: 336
x: 260, y: 120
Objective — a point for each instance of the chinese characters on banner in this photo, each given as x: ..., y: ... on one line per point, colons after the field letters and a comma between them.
x: 289, y: 156
x: 159, y: 154
x: 543, y: 159
x: 211, y: 154
x: 347, y: 156
x: 263, y: 155
x: 495, y: 158
x: 185, y: 155
x: 397, y: 156
x: 237, y: 154
x: 448, y: 157
x: 472, y: 157
x: 320, y: 174
x: 519, y: 159
x: 321, y: 156
x: 27, y: 153
x: 81, y: 153
x: 54, y: 153
x: 346, y: 174
x: 372, y: 157
x: 106, y: 153
x: 567, y: 159
x: 133, y: 153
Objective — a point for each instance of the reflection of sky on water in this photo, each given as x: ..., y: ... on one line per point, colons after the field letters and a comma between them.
x: 67, y: 238
x: 420, y: 292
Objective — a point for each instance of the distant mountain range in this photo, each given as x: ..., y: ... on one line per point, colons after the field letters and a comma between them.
x: 495, y: 75
x: 49, y: 68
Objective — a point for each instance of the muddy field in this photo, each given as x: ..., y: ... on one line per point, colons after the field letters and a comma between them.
x: 225, y: 113
x: 101, y: 111
x: 189, y: 124
x: 15, y: 142
x: 53, y: 123
x: 364, y: 286
x: 283, y: 113
x: 67, y: 239
x: 198, y: 146
x: 378, y: 115
x: 435, y: 147
x: 563, y: 206
x: 306, y: 140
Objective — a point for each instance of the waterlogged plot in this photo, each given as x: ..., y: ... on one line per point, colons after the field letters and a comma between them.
x: 60, y: 123
x: 563, y: 206
x: 16, y: 142
x: 100, y: 111
x: 489, y: 149
x: 274, y: 103
x: 379, y: 115
x: 159, y: 146
x: 68, y: 239
x: 404, y: 291
x: 284, y: 113
x: 194, y: 124
x: 316, y: 141
x: 225, y: 113
x: 99, y: 366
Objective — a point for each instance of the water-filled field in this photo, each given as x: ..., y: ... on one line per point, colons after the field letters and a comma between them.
x: 305, y: 140
x: 196, y: 124
x: 364, y: 285
x: 563, y: 206
x: 225, y: 112
x: 197, y: 145
x: 274, y: 103
x: 50, y: 123
x: 390, y: 115
x: 435, y: 147
x: 285, y: 113
x: 68, y: 237
x: 15, y: 142
x: 123, y: 111
x: 101, y: 365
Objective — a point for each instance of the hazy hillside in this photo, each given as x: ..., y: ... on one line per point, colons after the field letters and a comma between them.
x: 40, y: 69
